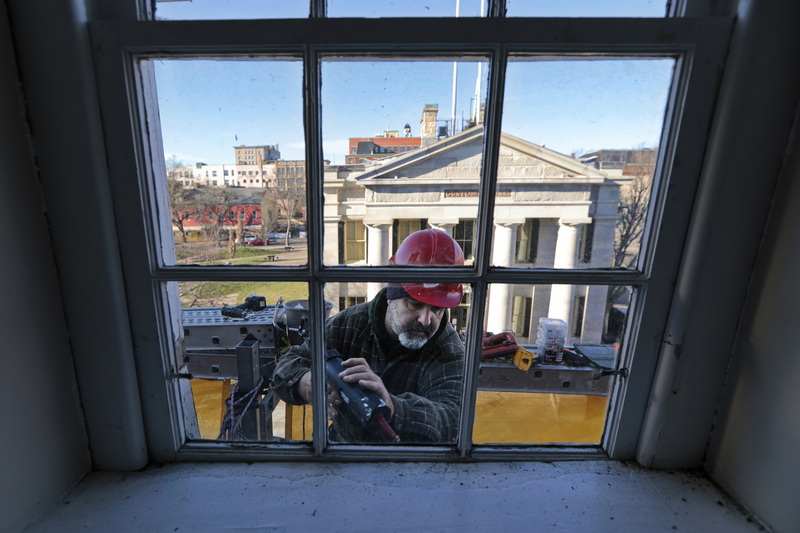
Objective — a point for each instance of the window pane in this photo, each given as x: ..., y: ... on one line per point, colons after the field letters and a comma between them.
x: 548, y: 362
x: 230, y: 9
x: 586, y: 8
x: 417, y: 366
x: 406, y: 8
x: 411, y: 174
x: 228, y: 202
x: 577, y: 162
x: 233, y: 332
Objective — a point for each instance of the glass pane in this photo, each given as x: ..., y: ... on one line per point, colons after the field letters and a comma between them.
x: 406, y: 8
x: 233, y: 333
x: 390, y: 174
x: 395, y: 364
x: 230, y: 9
x: 586, y: 8
x: 233, y: 199
x: 577, y: 161
x: 548, y: 361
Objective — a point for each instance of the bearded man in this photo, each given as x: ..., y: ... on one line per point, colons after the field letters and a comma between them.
x: 399, y: 345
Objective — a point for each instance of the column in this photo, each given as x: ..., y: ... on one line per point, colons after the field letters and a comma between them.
x: 443, y: 225
x: 565, y: 258
x: 330, y: 250
x: 597, y: 295
x: 594, y: 314
x: 378, y: 250
x: 498, y: 312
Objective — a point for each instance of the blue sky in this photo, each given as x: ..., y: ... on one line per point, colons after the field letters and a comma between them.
x: 208, y: 107
x: 216, y: 9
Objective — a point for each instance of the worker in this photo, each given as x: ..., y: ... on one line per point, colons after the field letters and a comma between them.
x: 399, y: 345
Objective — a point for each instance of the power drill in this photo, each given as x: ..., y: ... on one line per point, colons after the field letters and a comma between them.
x: 366, y: 406
x: 251, y: 304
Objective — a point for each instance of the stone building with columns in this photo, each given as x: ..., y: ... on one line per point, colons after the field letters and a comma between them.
x: 551, y: 211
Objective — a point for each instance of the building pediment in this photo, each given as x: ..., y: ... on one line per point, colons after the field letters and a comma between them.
x: 458, y: 159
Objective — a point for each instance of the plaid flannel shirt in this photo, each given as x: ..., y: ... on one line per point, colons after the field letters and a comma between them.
x: 425, y: 385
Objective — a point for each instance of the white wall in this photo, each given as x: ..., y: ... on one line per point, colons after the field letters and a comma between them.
x: 60, y: 99
x: 754, y: 447
x: 746, y: 150
x: 43, y: 449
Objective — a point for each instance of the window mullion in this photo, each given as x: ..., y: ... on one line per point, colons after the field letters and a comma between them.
x: 491, y: 147
x: 313, y: 134
x: 318, y: 9
x: 497, y: 8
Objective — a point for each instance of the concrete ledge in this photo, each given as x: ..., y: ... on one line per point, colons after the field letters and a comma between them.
x: 596, y: 496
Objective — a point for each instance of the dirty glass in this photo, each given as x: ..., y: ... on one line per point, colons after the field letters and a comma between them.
x: 408, y: 389
x: 407, y: 8
x: 586, y: 8
x: 234, y: 151
x: 403, y: 145
x: 549, y: 360
x: 577, y: 162
x: 229, y: 9
x: 233, y: 334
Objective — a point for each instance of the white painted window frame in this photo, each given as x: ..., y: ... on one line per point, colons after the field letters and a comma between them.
x: 133, y: 149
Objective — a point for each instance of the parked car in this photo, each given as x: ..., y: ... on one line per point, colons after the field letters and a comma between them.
x: 248, y: 238
x: 276, y: 236
x: 258, y: 242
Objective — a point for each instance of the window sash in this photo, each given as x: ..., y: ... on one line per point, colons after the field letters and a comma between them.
x: 135, y: 158
x: 464, y: 235
x: 355, y: 241
x: 528, y: 241
x: 405, y: 227
x: 521, y: 316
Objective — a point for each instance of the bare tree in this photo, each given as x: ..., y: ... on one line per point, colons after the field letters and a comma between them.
x: 291, y: 202
x: 634, y: 200
x: 269, y: 214
x: 240, y: 232
x: 180, y: 206
x: 633, y: 210
x: 231, y: 245
x: 215, y: 206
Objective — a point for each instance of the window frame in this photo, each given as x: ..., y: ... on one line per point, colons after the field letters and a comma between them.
x: 699, y: 46
x: 467, y: 244
x: 354, y: 241
x: 526, y: 248
x: 401, y: 229
x: 521, y: 314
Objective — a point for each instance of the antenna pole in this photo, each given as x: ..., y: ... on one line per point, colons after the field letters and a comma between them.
x: 455, y: 76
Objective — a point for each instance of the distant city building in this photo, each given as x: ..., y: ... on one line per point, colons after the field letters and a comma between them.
x: 256, y: 155
x: 632, y: 162
x: 198, y: 211
x: 201, y: 174
x: 388, y: 143
x: 280, y: 173
x: 290, y: 174
x: 392, y: 143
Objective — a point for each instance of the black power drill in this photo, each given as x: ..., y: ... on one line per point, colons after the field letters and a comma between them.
x: 251, y: 304
x: 366, y: 406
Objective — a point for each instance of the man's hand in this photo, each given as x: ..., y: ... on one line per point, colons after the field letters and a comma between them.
x: 304, y: 389
x: 357, y: 371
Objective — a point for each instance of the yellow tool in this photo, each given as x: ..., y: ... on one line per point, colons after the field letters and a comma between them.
x: 523, y: 359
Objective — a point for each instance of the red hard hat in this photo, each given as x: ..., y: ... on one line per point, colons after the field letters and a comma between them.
x: 431, y: 247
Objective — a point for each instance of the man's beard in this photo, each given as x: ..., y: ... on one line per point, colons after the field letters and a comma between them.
x: 409, y: 335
